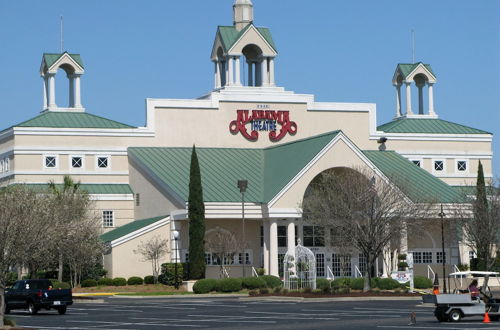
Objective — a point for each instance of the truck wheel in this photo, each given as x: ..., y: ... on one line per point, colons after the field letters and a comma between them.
x: 455, y: 315
x: 61, y: 310
x: 6, y: 309
x: 32, y: 309
x: 441, y: 317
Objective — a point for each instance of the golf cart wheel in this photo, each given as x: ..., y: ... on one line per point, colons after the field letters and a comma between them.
x: 494, y: 317
x: 441, y: 317
x: 455, y: 315
x: 32, y: 309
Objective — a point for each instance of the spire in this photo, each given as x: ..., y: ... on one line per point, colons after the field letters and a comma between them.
x: 242, y: 13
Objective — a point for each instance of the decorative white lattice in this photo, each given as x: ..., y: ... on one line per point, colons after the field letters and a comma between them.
x: 299, y: 268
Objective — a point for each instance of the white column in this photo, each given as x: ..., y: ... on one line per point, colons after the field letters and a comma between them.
x: 238, y: 68
x: 52, y: 91
x: 258, y: 75
x: 77, y: 94
x: 420, y: 100
x: 263, y: 73
x: 408, y: 98
x: 250, y: 73
x: 217, y: 74
x: 230, y: 70
x: 266, y: 225
x: 273, y: 248
x: 431, y: 99
x: 271, y: 71
x: 290, y: 234
x: 398, y: 100
x: 71, y: 79
x: 386, y: 269
x: 44, y: 93
x: 403, y: 248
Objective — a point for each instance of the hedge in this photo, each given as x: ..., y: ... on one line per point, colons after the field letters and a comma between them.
x: 422, y: 282
x: 272, y: 281
x: 135, y: 280
x: 105, y: 281
x: 60, y: 285
x: 89, y: 283
x: 387, y: 284
x: 119, y: 281
x: 167, y: 275
x: 230, y: 285
x: 205, y: 285
x: 343, y: 282
x: 322, y: 283
x: 253, y: 283
x: 149, y: 279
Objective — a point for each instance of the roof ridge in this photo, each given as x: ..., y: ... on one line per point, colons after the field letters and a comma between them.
x: 304, y: 139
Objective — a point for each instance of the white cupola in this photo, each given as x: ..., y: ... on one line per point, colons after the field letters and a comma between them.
x: 73, y: 66
x: 242, y: 13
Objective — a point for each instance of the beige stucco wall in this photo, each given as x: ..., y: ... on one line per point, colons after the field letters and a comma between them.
x: 123, y: 211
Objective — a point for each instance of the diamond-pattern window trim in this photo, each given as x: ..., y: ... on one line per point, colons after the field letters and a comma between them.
x: 102, y: 162
x: 462, y: 165
x: 76, y: 162
x: 50, y: 161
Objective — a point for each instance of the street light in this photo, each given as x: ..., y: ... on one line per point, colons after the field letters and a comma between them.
x: 175, y: 235
x: 442, y: 215
x: 243, y: 184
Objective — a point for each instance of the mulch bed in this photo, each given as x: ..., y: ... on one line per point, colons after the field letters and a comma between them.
x: 338, y: 295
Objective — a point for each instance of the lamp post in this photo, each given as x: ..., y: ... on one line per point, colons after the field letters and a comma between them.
x: 442, y: 215
x: 175, y: 235
x: 243, y: 184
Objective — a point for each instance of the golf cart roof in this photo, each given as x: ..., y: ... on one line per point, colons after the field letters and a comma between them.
x: 474, y: 273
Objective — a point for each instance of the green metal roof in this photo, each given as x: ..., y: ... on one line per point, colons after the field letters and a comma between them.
x: 51, y: 58
x: 267, y: 170
x: 229, y: 35
x: 407, y: 68
x: 427, y: 125
x: 71, y: 120
x: 94, y: 189
x: 418, y: 184
x: 129, y: 228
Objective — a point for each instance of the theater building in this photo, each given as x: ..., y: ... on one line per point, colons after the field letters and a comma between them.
x: 246, y: 128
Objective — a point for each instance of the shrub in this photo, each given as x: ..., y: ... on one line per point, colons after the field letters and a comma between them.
x: 8, y: 322
x: 119, y: 281
x: 343, y: 282
x: 284, y: 291
x: 230, y: 285
x: 88, y: 283
x: 135, y: 280
x: 263, y: 290
x: 167, y: 275
x: 387, y: 284
x: 260, y: 271
x: 307, y: 290
x: 272, y: 281
x: 105, y: 281
x: 277, y: 290
x: 253, y: 292
x: 149, y: 279
x: 358, y: 283
x: 60, y: 285
x: 322, y: 283
x: 11, y: 278
x: 205, y: 285
x: 253, y: 283
x: 421, y: 282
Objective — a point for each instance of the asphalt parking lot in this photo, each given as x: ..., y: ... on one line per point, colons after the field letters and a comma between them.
x: 238, y: 313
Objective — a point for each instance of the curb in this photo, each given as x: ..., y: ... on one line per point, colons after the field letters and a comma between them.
x: 180, y: 296
x: 333, y: 299
x: 88, y: 301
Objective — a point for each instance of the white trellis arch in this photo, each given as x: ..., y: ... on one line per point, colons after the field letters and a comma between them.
x: 299, y: 268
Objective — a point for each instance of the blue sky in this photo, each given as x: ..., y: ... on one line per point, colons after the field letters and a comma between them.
x: 341, y: 51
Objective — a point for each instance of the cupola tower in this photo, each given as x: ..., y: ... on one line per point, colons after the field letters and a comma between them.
x: 242, y: 13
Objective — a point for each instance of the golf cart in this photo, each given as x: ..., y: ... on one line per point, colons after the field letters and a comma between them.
x: 453, y: 307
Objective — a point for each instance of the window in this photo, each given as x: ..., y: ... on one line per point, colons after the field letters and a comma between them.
x: 137, y: 199
x: 320, y: 264
x: 6, y: 165
x: 50, y: 162
x: 281, y: 257
x: 472, y: 255
x: 416, y: 162
x: 438, y: 165
x: 314, y: 236
x: 261, y: 236
x: 107, y: 219
x: 102, y: 162
x: 427, y: 257
x: 362, y: 263
x: 247, y: 258
x: 417, y: 257
x: 439, y: 257
x: 1, y: 166
x: 282, y: 236
x: 341, y: 265
x: 76, y: 162
x: 462, y: 165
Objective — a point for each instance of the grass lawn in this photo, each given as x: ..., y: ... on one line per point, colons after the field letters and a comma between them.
x: 140, y: 290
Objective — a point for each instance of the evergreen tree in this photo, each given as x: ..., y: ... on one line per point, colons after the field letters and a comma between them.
x: 196, y: 215
x: 482, y: 225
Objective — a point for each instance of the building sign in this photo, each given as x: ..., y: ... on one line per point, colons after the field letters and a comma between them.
x: 250, y: 123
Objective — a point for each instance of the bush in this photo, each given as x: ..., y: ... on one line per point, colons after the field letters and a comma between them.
x: 253, y: 292
x: 322, y: 283
x: 253, y: 283
x: 421, y: 282
x: 60, y: 285
x: 358, y: 283
x: 135, y: 280
x: 261, y: 271
x: 105, y: 281
x: 230, y: 285
x: 205, y: 285
x: 88, y: 283
x: 277, y: 290
x: 387, y: 284
x: 307, y: 290
x: 263, y: 290
x: 119, y: 281
x: 343, y: 282
x: 167, y: 275
x: 272, y: 281
x: 327, y: 290
x: 150, y: 279
x: 11, y: 278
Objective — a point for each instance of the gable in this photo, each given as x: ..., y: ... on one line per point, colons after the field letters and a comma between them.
x: 52, y: 62
x: 252, y: 35
x: 409, y: 71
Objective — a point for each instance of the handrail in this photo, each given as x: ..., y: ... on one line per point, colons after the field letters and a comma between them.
x: 254, y: 272
x: 224, y: 270
x: 429, y: 268
x: 357, y: 271
x: 328, y: 273
x: 455, y: 269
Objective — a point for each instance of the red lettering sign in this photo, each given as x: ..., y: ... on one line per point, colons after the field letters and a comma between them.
x: 263, y: 120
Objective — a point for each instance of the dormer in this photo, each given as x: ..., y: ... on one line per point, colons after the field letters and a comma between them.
x: 243, y: 39
x: 421, y: 75
x: 73, y: 66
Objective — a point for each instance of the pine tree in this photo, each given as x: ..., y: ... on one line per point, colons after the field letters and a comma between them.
x: 196, y: 215
x: 481, y: 215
